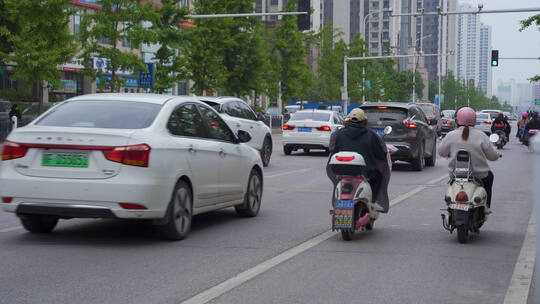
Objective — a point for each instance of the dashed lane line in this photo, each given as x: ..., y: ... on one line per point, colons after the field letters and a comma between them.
x: 243, y: 277
x: 10, y: 229
x: 287, y: 173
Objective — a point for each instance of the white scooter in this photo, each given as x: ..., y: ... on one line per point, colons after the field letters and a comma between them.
x: 352, y: 205
x: 466, y: 198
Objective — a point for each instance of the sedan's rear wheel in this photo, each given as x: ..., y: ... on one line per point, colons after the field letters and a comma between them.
x: 419, y: 162
x: 287, y: 150
x: 430, y: 161
x: 179, y: 213
x: 266, y: 151
x: 39, y: 223
x: 252, y: 200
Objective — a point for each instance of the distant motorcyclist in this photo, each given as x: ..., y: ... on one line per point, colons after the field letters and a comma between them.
x: 15, y: 112
x: 356, y: 137
x: 534, y: 122
x: 501, y: 123
x: 476, y: 142
x: 522, y: 122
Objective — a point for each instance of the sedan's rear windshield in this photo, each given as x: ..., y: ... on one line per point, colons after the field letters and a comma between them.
x: 429, y: 110
x: 385, y: 114
x: 483, y: 117
x: 109, y: 114
x: 316, y: 116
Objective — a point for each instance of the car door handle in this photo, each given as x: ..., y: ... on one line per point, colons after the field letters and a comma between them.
x: 191, y: 149
x: 251, y: 127
x: 222, y: 153
x: 238, y: 125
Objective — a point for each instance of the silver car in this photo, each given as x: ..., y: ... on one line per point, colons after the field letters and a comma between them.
x: 483, y: 122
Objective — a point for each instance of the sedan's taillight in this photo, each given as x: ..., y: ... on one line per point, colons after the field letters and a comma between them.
x: 409, y: 124
x: 288, y: 127
x: 137, y: 155
x: 324, y: 128
x: 13, y: 150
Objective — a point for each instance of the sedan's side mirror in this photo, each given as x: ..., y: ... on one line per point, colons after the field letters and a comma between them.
x: 243, y: 136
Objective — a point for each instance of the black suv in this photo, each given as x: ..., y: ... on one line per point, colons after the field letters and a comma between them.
x: 411, y: 135
x: 5, y: 121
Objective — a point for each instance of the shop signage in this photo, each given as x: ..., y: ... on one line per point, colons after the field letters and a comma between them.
x: 146, y: 80
x: 130, y: 82
x: 104, y: 64
x: 74, y: 65
x: 68, y: 86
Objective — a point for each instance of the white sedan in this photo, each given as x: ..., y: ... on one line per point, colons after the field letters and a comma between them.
x: 240, y: 116
x: 130, y: 156
x: 310, y: 129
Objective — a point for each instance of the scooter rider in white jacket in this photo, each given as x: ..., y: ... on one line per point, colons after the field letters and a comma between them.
x: 476, y: 142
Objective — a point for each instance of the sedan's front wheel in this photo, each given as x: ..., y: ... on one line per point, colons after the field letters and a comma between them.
x: 39, y: 223
x: 266, y: 151
x: 252, y: 199
x: 179, y: 213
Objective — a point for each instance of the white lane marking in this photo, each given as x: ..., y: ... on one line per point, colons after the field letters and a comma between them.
x: 287, y: 173
x: 518, y: 290
x: 251, y: 273
x: 10, y: 229
x: 225, y: 286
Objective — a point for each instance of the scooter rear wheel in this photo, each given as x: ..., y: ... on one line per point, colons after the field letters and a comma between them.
x: 463, y: 234
x: 347, y: 234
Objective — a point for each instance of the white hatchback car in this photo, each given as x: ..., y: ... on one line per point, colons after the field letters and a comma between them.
x: 129, y: 156
x: 239, y: 116
x: 310, y: 129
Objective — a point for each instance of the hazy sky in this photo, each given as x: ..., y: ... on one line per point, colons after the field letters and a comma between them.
x: 510, y: 42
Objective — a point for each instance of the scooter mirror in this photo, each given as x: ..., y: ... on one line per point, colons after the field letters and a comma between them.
x: 493, y: 138
x: 387, y: 130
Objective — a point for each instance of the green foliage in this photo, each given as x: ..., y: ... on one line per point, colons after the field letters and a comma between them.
x: 533, y: 20
x: 168, y: 33
x: 39, y: 39
x: 103, y: 32
x: 15, y: 96
x: 331, y: 63
x: 290, y: 48
x: 457, y: 94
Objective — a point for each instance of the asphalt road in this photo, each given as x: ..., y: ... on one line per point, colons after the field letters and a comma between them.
x: 407, y: 258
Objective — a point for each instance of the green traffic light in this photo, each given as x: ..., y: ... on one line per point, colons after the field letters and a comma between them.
x: 494, y: 63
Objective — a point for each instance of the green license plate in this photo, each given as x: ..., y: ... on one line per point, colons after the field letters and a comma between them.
x: 65, y: 160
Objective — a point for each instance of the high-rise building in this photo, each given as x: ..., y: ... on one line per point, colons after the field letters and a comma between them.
x: 473, y: 51
x: 434, y: 35
x: 484, y: 64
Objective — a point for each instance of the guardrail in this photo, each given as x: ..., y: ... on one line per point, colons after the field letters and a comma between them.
x: 274, y: 122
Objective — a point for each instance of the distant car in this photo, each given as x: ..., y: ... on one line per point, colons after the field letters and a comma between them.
x: 483, y: 122
x: 239, y: 116
x: 31, y: 113
x: 448, y: 121
x: 433, y: 116
x: 411, y: 134
x: 128, y: 156
x: 310, y: 130
x: 492, y: 113
x: 5, y: 120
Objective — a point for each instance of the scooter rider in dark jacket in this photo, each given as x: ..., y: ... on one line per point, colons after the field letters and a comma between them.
x: 358, y: 138
x: 533, y: 124
x: 500, y: 123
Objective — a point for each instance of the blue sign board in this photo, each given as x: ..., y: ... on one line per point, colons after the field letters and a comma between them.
x: 130, y: 82
x: 146, y: 80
